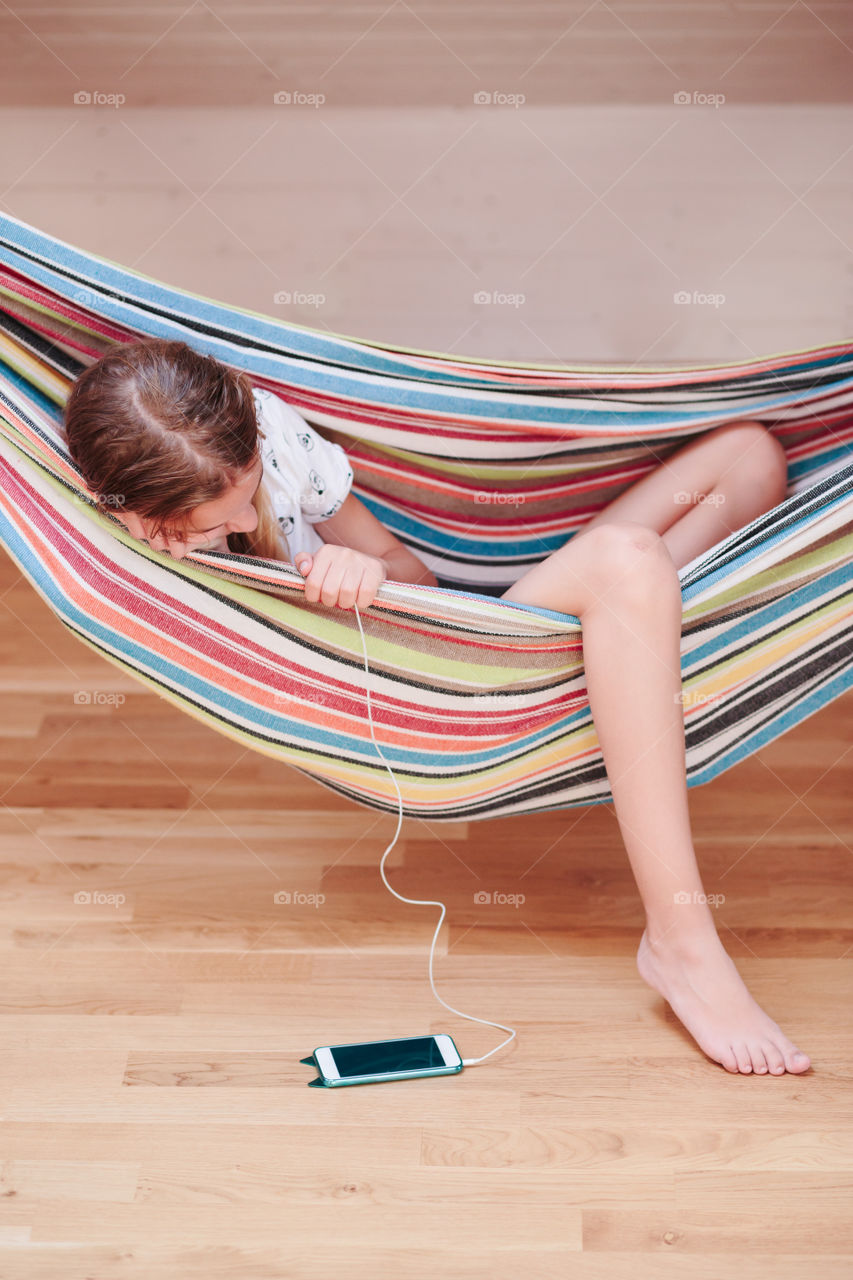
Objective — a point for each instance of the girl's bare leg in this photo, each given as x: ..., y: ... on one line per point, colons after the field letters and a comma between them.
x: 705, y: 490
x: 620, y: 578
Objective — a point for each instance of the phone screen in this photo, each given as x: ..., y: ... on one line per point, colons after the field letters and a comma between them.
x: 384, y: 1056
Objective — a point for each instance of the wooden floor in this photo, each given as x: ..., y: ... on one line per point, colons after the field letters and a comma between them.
x: 156, y: 1122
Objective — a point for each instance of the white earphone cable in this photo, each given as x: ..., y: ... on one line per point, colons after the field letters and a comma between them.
x: 421, y: 902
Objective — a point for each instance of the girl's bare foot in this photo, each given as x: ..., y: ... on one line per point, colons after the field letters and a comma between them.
x: 707, y: 994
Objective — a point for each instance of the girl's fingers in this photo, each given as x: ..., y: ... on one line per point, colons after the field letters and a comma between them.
x: 351, y: 587
x: 332, y: 582
x: 315, y: 582
x: 313, y: 575
x: 367, y: 592
x: 360, y: 589
x: 337, y: 584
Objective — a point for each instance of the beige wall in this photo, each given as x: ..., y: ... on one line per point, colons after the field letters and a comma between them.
x: 427, y: 53
x: 384, y: 210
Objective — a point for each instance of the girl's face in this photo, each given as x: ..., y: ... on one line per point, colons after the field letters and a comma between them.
x: 208, y: 523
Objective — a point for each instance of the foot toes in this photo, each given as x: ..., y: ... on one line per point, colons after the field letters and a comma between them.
x: 728, y: 1060
x: 775, y: 1060
x: 744, y: 1060
x: 797, y: 1061
x: 759, y: 1062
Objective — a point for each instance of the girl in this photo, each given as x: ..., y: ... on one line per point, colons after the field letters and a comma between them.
x: 188, y: 454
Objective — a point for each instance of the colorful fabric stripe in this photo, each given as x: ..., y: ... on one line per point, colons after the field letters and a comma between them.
x: 483, y: 468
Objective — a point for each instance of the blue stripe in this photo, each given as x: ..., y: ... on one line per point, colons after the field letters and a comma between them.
x: 801, y: 710
x: 100, y: 271
x: 519, y: 406
x: 817, y: 462
x: 485, y: 547
x: 28, y: 391
x: 204, y: 692
x: 231, y: 707
x: 767, y: 540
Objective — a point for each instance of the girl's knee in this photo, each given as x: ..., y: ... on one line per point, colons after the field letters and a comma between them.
x: 775, y: 470
x: 757, y: 442
x: 764, y: 460
x: 623, y: 538
x: 626, y: 551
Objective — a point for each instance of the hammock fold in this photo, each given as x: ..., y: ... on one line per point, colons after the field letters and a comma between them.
x: 483, y: 469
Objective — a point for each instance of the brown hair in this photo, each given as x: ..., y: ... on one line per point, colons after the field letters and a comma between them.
x: 157, y: 429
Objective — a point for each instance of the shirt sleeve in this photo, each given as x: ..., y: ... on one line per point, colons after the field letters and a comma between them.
x: 318, y: 470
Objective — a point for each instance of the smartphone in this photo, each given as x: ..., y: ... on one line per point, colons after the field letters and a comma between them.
x: 373, y: 1061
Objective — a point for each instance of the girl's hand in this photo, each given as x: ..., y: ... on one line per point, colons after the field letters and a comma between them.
x: 337, y: 575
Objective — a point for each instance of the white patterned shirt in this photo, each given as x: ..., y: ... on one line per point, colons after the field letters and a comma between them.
x: 307, y: 477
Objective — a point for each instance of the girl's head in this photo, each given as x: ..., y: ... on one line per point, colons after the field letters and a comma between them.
x: 170, y: 436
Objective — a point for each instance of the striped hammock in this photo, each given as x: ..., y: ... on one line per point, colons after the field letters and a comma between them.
x: 479, y: 705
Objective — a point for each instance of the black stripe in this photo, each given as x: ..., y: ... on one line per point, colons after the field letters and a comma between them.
x: 769, y: 379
